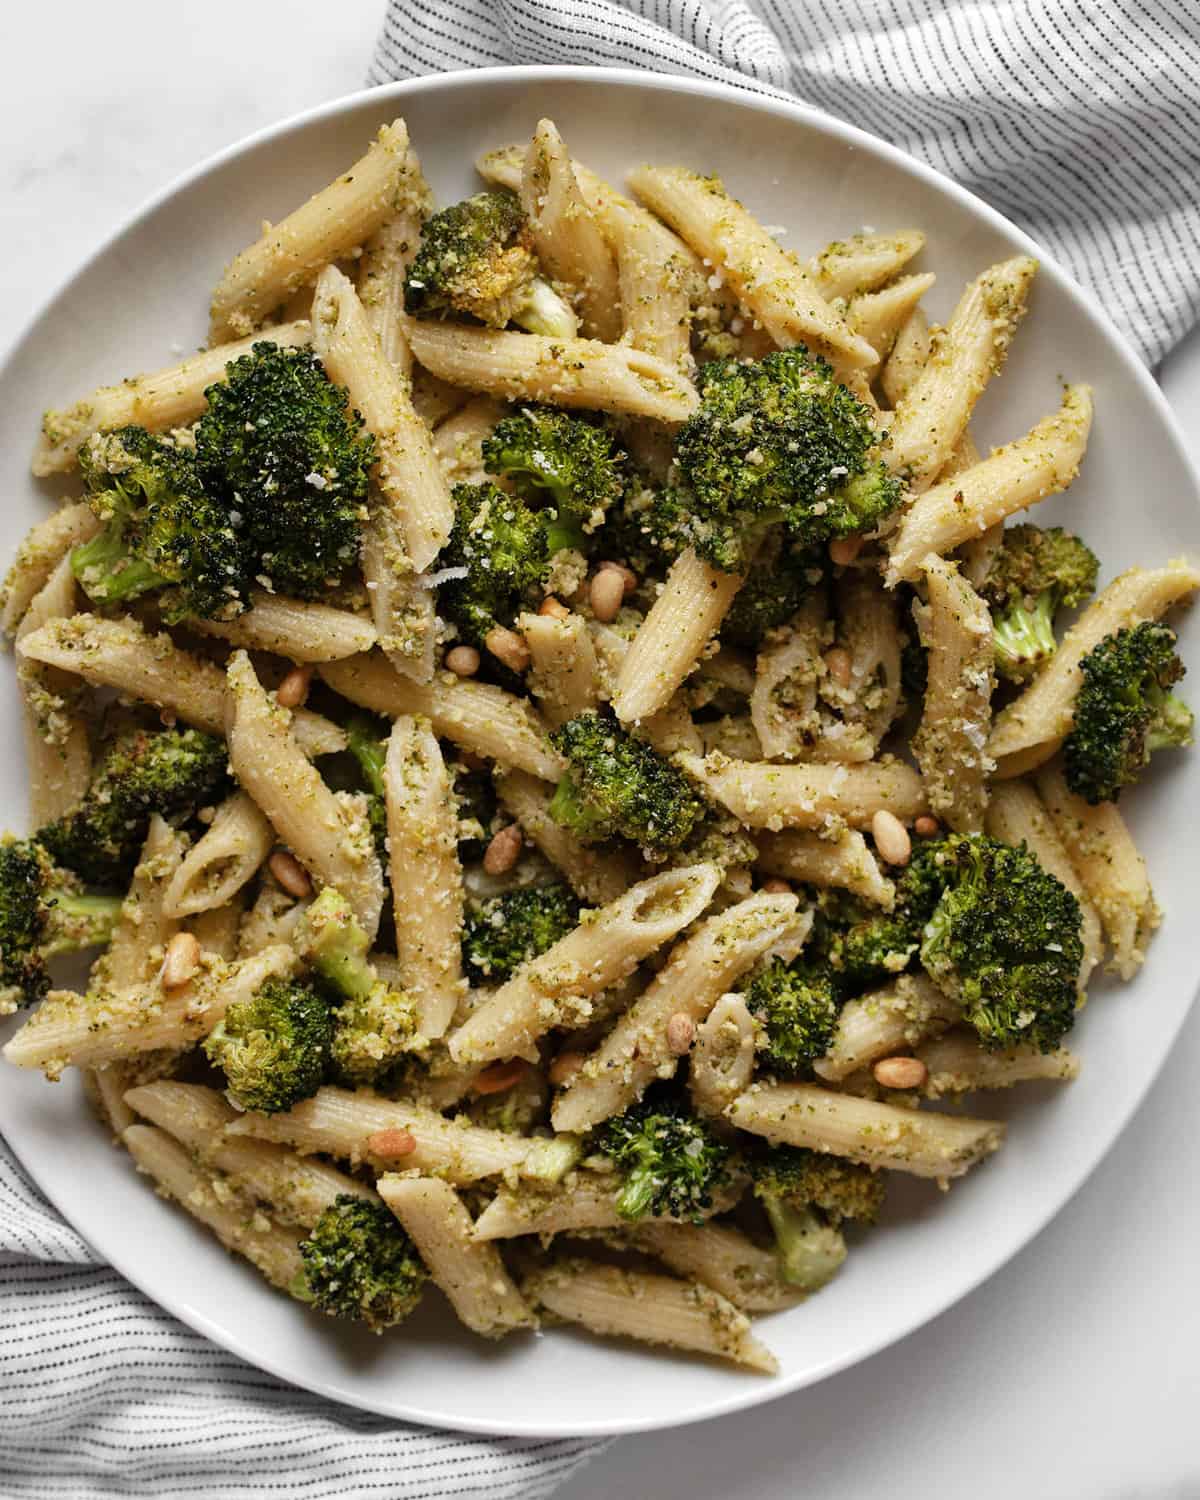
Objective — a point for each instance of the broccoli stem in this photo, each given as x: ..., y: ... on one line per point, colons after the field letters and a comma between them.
x: 80, y: 921
x: 337, y: 947
x: 570, y: 808
x: 544, y: 311
x: 1024, y: 637
x: 562, y: 532
x: 637, y: 1191
x: 809, y: 1251
x: 1173, y: 727
x: 107, y: 572
x: 369, y: 751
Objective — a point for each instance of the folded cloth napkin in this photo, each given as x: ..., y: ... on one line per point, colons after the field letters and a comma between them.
x: 1078, y: 119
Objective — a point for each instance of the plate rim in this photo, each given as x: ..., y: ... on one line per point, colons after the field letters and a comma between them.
x: 754, y: 98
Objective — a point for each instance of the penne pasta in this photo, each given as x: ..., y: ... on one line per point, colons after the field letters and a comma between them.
x: 385, y: 260
x: 894, y: 1019
x: 565, y: 675
x: 223, y: 860
x: 879, y: 316
x: 217, y: 930
x: 864, y: 262
x: 762, y: 795
x: 596, y: 874
x: 721, y: 1064
x: 38, y: 557
x: 587, y: 1201
x: 146, y: 925
x: 294, y: 628
x: 909, y: 356
x: 842, y: 860
x: 458, y: 441
x: 722, y: 1258
x: 957, y: 1064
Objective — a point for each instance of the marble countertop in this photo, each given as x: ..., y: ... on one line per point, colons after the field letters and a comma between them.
x: 1072, y: 1374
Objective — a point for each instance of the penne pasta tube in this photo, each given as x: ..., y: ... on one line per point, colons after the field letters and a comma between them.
x: 721, y: 1064
x: 217, y: 930
x: 409, y: 479
x: 565, y: 675
x: 478, y: 717
x: 293, y: 628
x: 879, y: 316
x: 894, y: 1019
x: 223, y: 860
x: 700, y: 970
x: 145, y: 926
x: 555, y: 989
x: 328, y: 835
x: 173, y: 397
x: 403, y: 606
x: 781, y: 293
x: 957, y: 1064
x: 934, y: 412
x: 720, y: 1257
x: 426, y: 878
x: 1039, y: 719
x: 596, y: 874
x: 268, y: 1246
x: 566, y: 372
x: 909, y: 356
x: 469, y: 1271
x: 949, y: 745
x: 38, y: 557
x: 272, y: 919
x: 652, y: 1309
x: 335, y: 221
x: 58, y: 750
x: 385, y: 260
x: 864, y: 262
x: 843, y: 860
x: 671, y: 727
x: 1016, y: 815
x: 1110, y: 869
x: 1038, y: 465
x: 773, y: 797
x: 587, y: 1201
x: 682, y: 620
x: 458, y: 441
x: 877, y: 1135
x: 120, y: 654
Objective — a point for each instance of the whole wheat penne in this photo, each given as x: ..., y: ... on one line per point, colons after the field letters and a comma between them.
x: 588, y: 1200
x: 426, y: 878
x: 1040, y: 718
x: 877, y: 1135
x: 596, y: 874
x: 565, y: 675
x: 957, y: 1064
x: 555, y: 989
x: 565, y: 372
x: 57, y: 744
x: 777, y: 288
x: 458, y: 441
x: 478, y: 717
x: 328, y: 834
x: 298, y: 629
x: 1038, y: 465
x: 721, y: 1063
x: 223, y: 860
x: 41, y: 551
x: 864, y: 262
x: 842, y: 859
x: 763, y: 795
x: 720, y: 1257
x: 651, y: 1309
x: 338, y: 219
x: 168, y: 398
x: 893, y: 1019
x: 469, y: 1271
x: 909, y: 356
x: 700, y: 970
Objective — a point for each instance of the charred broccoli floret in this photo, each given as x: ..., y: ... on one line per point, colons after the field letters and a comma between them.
x: 43, y: 911
x: 274, y: 1046
x: 162, y: 532
x: 1033, y: 575
x: 806, y: 1195
x: 1124, y: 711
x: 369, y: 749
x: 169, y: 771
x: 777, y: 439
x: 360, y: 1264
x: 506, y: 931
x: 571, y: 466
x: 374, y: 1024
x: 797, y: 1007
x: 504, y: 548
x: 286, y: 455
x: 779, y: 581
x: 618, y: 785
x: 476, y: 257
x: 670, y: 1161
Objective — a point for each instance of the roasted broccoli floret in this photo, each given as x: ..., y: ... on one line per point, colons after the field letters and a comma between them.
x: 1033, y: 575
x: 503, y: 546
x: 670, y: 1161
x: 779, y: 581
x: 369, y: 749
x: 1003, y: 941
x: 777, y: 439
x: 43, y: 911
x: 506, y: 931
x: 274, y: 1046
x: 169, y: 771
x: 374, y: 1024
x: 618, y: 785
x: 476, y: 257
x: 1124, y: 711
x: 570, y: 466
x: 806, y: 1195
x: 797, y: 1007
x: 288, y: 458
x: 360, y: 1264
x: 162, y: 532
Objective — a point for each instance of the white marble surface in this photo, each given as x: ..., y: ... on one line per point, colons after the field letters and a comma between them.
x: 1073, y: 1374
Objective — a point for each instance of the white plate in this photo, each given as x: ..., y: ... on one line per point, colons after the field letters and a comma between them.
x: 141, y: 300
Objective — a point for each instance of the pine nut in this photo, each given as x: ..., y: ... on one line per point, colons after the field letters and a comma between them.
x: 555, y: 608
x: 927, y: 827
x: 463, y: 661
x: 290, y: 874
x: 681, y: 1033
x: 180, y: 961
x: 629, y: 579
x: 293, y: 690
x: 776, y: 887
x: 499, y: 1077
x: 508, y: 647
x: 503, y: 851
x: 564, y: 1068
x: 891, y: 837
x: 844, y: 549
x: 390, y: 1145
x: 606, y: 594
x: 841, y: 668
x: 900, y: 1072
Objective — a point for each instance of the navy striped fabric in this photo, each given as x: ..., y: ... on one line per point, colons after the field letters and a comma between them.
x: 1078, y: 119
